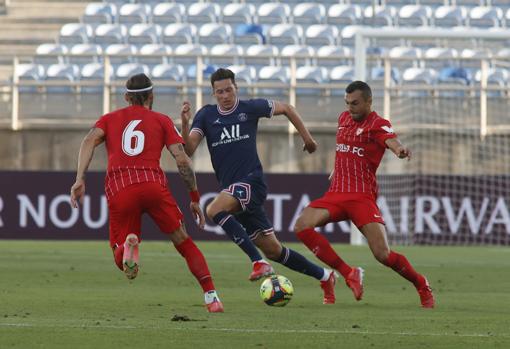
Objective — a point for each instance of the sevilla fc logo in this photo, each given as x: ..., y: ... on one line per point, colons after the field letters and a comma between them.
x: 359, y: 131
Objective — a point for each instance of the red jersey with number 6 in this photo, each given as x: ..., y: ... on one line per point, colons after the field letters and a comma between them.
x: 360, y: 147
x: 135, y: 137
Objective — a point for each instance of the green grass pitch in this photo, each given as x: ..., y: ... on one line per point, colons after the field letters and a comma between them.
x: 70, y: 295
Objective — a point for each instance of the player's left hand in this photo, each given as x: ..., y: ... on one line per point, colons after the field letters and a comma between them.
x: 310, y: 146
x: 198, y: 215
x: 404, y: 153
x: 77, y: 192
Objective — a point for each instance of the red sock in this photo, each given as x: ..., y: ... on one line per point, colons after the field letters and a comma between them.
x: 321, y: 247
x: 401, y: 265
x: 196, y: 263
x: 118, y: 254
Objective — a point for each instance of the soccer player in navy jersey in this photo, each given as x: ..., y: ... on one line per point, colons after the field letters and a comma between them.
x: 230, y: 129
x: 136, y: 184
x: 361, y: 140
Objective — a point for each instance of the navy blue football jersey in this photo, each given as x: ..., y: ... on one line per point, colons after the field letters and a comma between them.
x: 232, y: 137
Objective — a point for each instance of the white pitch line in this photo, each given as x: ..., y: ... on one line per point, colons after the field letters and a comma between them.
x: 255, y: 330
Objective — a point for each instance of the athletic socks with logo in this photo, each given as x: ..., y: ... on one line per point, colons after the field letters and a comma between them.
x: 297, y: 262
x: 237, y: 233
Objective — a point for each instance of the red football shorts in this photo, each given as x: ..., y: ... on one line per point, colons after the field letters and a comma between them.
x: 127, y: 206
x: 361, y: 209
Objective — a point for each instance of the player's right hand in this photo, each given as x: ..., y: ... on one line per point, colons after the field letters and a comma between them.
x: 77, y: 192
x: 310, y: 146
x: 186, y: 112
x: 198, y: 215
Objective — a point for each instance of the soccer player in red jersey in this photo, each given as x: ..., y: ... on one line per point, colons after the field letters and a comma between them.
x: 136, y: 184
x: 361, y: 139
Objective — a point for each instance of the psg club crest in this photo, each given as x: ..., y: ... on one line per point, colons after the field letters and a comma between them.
x: 242, y: 117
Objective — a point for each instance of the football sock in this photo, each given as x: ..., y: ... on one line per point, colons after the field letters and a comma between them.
x: 401, y: 265
x: 321, y: 247
x: 297, y: 262
x: 118, y: 253
x: 237, y: 233
x: 196, y: 263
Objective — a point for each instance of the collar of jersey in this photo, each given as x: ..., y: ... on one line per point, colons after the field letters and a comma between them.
x: 226, y: 112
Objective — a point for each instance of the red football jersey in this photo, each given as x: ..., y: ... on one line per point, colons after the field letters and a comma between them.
x: 135, y: 137
x: 360, y: 147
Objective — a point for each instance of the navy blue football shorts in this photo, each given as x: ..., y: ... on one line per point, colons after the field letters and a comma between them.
x: 251, y: 194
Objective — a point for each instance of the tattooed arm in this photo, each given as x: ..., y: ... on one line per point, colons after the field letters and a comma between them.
x: 184, y: 165
x: 188, y: 176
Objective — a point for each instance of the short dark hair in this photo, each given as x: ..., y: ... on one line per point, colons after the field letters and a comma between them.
x: 223, y: 74
x: 138, y: 82
x: 361, y: 86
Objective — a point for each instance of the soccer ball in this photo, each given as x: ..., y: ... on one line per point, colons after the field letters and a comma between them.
x: 276, y: 291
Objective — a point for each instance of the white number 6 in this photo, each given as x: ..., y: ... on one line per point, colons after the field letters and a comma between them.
x: 127, y: 139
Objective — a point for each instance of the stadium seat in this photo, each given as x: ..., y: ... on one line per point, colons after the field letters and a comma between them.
x: 85, y: 53
x: 405, y: 57
x: 50, y: 54
x: 75, y: 33
x: 166, y: 12
x: 134, y: 13
x: 261, y: 55
x: 503, y: 53
x: 471, y: 58
x: 214, y: 33
x: 124, y: 71
x: 107, y: 34
x: 438, y: 57
x: 148, y: 50
x: 92, y: 71
x: 496, y: 78
x: 309, y: 13
x: 322, y: 34
x: 204, y: 12
x: 244, y: 74
x: 342, y: 74
x: 347, y: 34
x: 207, y: 71
x: 456, y: 77
x: 302, y: 53
x: 376, y: 78
x: 225, y: 54
x: 167, y: 72
x: 185, y: 54
x: 273, y: 13
x: 285, y: 34
x: 450, y: 16
x: 143, y: 33
x: 379, y: 16
x: 120, y: 53
x: 179, y: 33
x: 343, y: 14
x: 485, y: 17
x: 29, y: 72
x: 249, y: 34
x: 65, y: 72
x: 418, y: 76
x: 274, y: 75
x: 235, y: 13
x: 330, y: 56
x: 414, y: 16
x: 311, y: 75
x: 98, y: 13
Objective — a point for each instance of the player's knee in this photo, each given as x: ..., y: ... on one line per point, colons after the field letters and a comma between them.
x: 301, y: 224
x: 382, y: 255
x: 272, y: 251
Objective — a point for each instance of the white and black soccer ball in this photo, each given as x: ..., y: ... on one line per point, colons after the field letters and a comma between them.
x: 276, y: 291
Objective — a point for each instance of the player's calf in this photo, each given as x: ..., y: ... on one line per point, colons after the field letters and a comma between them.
x: 130, y: 258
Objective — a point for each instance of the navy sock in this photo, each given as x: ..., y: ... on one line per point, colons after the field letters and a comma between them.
x: 237, y: 233
x: 295, y: 261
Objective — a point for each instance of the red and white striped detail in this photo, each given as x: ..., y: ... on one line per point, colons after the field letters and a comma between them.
x: 120, y: 177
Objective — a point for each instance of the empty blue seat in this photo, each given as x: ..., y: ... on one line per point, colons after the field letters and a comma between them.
x: 167, y: 72
x: 92, y: 72
x: 414, y: 15
x: 309, y: 13
x: 124, y: 71
x: 120, y: 53
x: 166, y: 12
x: 450, y: 16
x: 75, y: 33
x: 274, y: 75
x: 107, y: 34
x: 64, y: 72
x: 85, y: 53
x: 235, y: 13
x: 207, y: 71
x: 50, y: 54
x: 313, y: 75
x: 485, y: 17
x: 179, y: 33
x: 204, y: 12
x: 380, y: 16
x: 344, y: 14
x: 332, y: 55
x: 285, y: 34
x: 214, y: 33
x: 97, y: 13
x: 31, y: 73
x: 249, y: 34
x: 225, y: 54
x: 143, y: 33
x: 134, y: 13
x: 303, y: 54
x: 261, y: 55
x: 322, y: 34
x: 162, y: 53
x: 273, y: 13
x: 185, y: 54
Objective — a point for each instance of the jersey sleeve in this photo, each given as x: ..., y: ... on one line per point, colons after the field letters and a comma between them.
x: 198, y: 124
x: 101, y: 123
x: 383, y: 131
x: 262, y: 108
x: 172, y: 135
